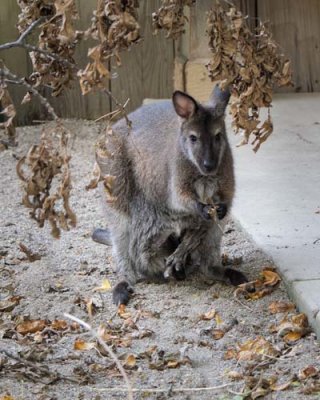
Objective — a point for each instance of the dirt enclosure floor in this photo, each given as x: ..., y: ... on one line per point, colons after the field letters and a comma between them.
x: 182, y: 340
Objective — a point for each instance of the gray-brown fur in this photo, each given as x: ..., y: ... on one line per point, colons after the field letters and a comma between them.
x: 166, y: 183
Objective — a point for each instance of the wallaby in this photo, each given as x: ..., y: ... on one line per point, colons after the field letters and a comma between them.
x: 171, y: 170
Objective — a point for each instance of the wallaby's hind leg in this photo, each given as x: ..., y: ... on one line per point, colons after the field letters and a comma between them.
x: 208, y: 257
x: 200, y: 248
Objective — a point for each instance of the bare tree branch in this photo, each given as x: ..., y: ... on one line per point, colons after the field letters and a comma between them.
x: 9, y: 77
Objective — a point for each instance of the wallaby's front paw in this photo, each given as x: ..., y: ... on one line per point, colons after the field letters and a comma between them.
x: 121, y: 293
x: 235, y: 277
x: 205, y: 210
x: 222, y: 210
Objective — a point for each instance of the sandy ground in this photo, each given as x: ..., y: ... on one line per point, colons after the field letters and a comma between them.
x: 167, y: 349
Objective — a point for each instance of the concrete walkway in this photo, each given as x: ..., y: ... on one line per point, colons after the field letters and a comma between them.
x: 278, y: 197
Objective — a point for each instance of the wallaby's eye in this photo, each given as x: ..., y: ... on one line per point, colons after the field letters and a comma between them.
x: 193, y: 138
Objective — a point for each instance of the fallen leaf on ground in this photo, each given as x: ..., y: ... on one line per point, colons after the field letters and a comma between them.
x: 208, y: 315
x: 31, y: 256
x: 308, y: 372
x: 9, y: 304
x: 82, y: 345
x: 131, y: 361
x: 59, y: 325
x: 281, y: 307
x: 292, y: 328
x: 270, y: 277
x: 259, y: 288
x: 257, y: 349
x: 122, y: 312
x: 105, y: 286
x: 235, y: 375
x: 31, y: 326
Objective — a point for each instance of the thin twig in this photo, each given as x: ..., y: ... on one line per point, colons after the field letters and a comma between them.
x: 41, y: 370
x: 107, y: 349
x: 10, y: 77
x: 20, y: 41
x: 165, y: 390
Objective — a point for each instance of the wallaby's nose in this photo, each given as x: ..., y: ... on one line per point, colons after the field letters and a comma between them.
x: 208, y: 165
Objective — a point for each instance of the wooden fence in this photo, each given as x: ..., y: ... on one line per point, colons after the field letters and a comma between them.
x: 146, y: 71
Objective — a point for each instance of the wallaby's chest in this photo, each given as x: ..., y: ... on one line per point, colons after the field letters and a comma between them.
x: 206, y: 188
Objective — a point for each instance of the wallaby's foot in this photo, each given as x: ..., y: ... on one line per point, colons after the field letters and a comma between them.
x: 221, y: 210
x: 179, y: 275
x: 102, y: 236
x: 121, y: 293
x: 235, y: 277
x: 174, y: 266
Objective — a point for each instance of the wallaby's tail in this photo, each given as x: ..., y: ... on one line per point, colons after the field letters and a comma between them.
x: 102, y: 236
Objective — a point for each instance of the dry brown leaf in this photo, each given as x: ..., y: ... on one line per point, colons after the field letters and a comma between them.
x: 218, y: 334
x: 257, y: 349
x: 208, y: 315
x: 8, y: 110
x: 6, y: 397
x: 281, y: 307
x: 170, y: 16
x: 292, y: 328
x: 122, y: 312
x: 218, y: 319
x: 10, y: 303
x: 82, y: 345
x: 230, y: 354
x: 235, y: 375
x: 95, y: 177
x: 105, y: 286
x: 270, y: 277
x: 31, y: 326
x: 30, y: 254
x: 59, y: 325
x: 131, y: 361
x: 281, y: 386
x: 308, y: 372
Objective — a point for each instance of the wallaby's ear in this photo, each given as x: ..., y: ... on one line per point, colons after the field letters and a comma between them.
x: 185, y: 105
x: 219, y: 99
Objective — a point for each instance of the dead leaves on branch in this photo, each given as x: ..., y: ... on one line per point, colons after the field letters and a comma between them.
x: 45, y: 174
x: 9, y: 111
x: 171, y: 18
x: 115, y: 25
x: 250, y: 64
x: 55, y: 65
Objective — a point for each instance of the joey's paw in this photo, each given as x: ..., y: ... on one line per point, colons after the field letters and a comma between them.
x: 204, y: 210
x: 121, y: 293
x: 235, y: 277
x: 175, y: 268
x: 222, y: 210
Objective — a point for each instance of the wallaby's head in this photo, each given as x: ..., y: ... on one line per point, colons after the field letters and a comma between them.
x: 203, y: 137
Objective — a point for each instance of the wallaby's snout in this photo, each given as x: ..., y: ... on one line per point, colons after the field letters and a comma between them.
x: 209, y: 165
